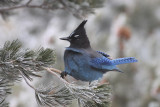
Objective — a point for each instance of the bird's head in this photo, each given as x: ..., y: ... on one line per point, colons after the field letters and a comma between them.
x: 78, y: 38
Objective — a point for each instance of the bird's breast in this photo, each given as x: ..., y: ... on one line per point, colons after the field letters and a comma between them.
x: 77, y: 65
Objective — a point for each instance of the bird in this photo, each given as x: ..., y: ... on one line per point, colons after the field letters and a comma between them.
x: 83, y: 62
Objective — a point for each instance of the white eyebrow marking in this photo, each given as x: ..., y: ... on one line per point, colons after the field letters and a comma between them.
x: 76, y: 36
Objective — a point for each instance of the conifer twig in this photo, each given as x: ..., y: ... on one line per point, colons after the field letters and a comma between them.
x: 54, y: 72
x: 28, y: 82
x: 28, y: 5
x: 79, y: 8
x: 28, y: 2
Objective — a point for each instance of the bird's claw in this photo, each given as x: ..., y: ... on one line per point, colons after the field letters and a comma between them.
x: 63, y: 74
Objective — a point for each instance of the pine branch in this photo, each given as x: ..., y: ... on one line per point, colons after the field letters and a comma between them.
x: 16, y: 63
x: 4, y: 91
x: 94, y: 95
x: 13, y: 59
x: 29, y: 5
x: 79, y: 8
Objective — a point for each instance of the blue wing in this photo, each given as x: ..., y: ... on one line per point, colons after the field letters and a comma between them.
x: 75, y: 60
x: 77, y: 65
x: 103, y: 64
x: 104, y: 54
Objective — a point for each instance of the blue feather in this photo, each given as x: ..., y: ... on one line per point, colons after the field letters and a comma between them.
x: 123, y: 60
x: 106, y: 61
x: 104, y: 54
x: 102, y: 60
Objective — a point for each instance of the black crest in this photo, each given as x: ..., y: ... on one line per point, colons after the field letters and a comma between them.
x: 78, y: 38
x: 80, y: 30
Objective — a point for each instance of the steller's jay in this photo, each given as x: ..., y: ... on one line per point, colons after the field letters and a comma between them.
x: 84, y: 63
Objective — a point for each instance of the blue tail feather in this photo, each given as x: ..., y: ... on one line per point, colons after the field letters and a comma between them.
x: 123, y: 60
x: 104, y: 54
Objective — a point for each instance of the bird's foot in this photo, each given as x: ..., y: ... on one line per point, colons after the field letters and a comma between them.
x: 63, y: 74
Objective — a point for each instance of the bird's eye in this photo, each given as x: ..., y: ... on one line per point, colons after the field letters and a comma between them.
x: 76, y: 36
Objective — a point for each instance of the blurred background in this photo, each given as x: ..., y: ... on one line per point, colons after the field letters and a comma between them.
x: 121, y: 28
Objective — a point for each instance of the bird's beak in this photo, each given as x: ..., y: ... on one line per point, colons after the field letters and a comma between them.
x: 65, y: 38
